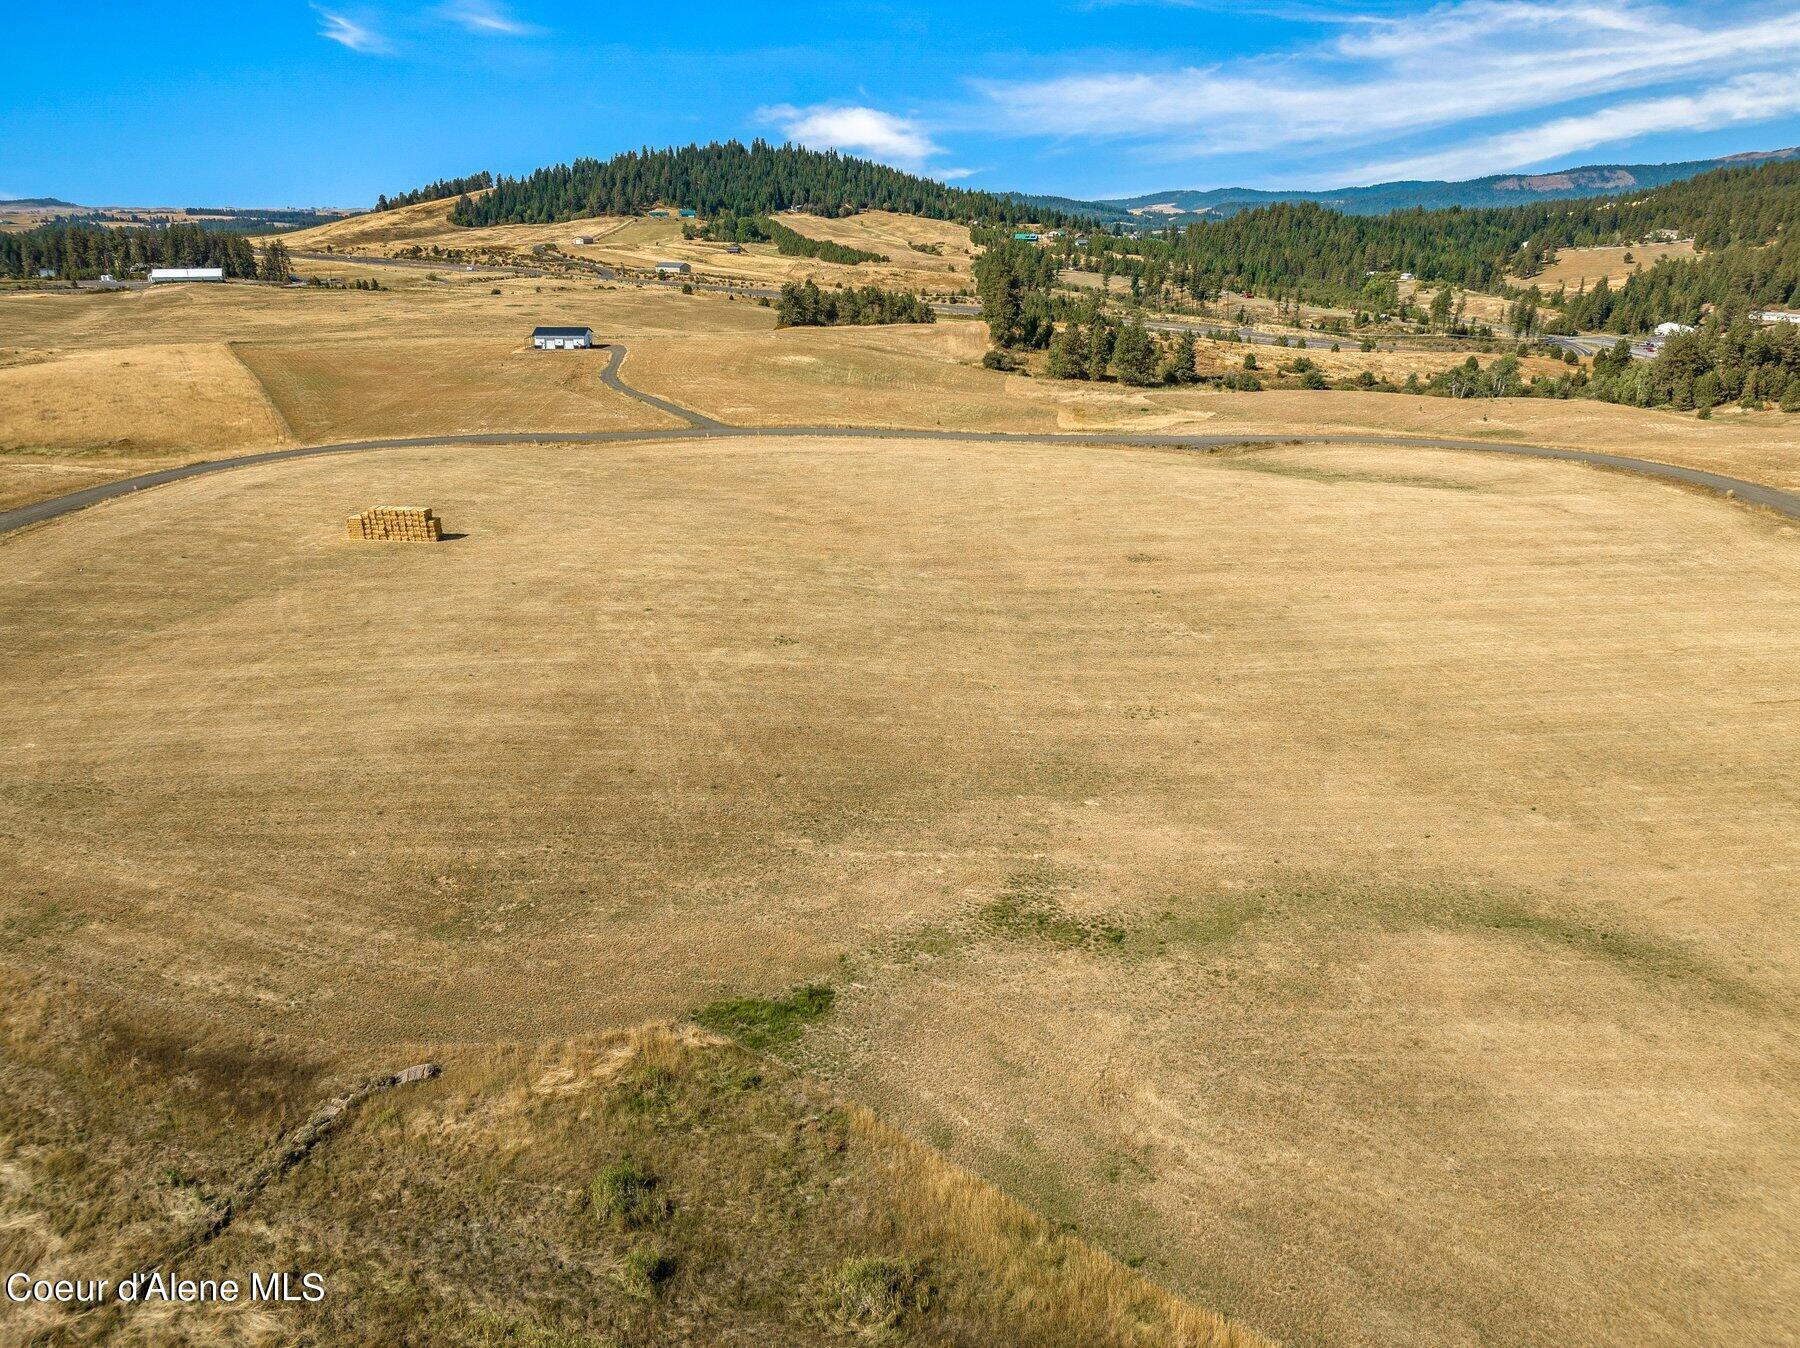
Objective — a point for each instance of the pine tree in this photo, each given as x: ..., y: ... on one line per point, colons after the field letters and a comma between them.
x: 1179, y: 368
x: 1100, y: 339
x: 1134, y: 355
x: 1068, y: 354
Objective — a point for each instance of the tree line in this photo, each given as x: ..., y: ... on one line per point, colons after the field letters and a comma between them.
x: 1737, y: 362
x: 757, y: 179
x: 805, y: 305
x: 83, y: 252
x: 731, y: 228
x: 1746, y: 221
x: 437, y: 191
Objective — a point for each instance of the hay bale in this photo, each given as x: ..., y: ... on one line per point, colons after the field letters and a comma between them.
x: 397, y: 524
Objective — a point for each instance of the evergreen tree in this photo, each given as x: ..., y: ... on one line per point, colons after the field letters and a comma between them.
x: 1179, y: 367
x: 1101, y: 337
x: 1440, y: 309
x: 1134, y: 355
x: 1068, y: 353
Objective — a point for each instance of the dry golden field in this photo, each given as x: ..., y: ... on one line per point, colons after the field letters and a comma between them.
x: 1581, y: 268
x: 188, y: 373
x: 1355, y: 883
x: 100, y: 386
x: 436, y: 386
x: 641, y: 242
x: 94, y: 386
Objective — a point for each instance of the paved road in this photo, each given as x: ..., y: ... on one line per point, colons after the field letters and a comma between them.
x: 610, y: 377
x: 1591, y: 346
x: 700, y: 427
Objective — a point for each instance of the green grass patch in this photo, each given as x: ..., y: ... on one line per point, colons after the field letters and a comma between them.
x: 1207, y: 924
x: 1630, y: 952
x: 762, y: 1023
x: 1030, y: 908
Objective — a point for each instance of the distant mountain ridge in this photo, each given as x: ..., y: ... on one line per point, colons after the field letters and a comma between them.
x: 1157, y: 209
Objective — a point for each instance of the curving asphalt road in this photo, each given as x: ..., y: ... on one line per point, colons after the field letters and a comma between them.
x: 700, y: 427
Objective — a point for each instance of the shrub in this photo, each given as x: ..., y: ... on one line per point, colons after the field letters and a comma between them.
x: 625, y: 1198
x: 871, y: 1295
x: 644, y: 1270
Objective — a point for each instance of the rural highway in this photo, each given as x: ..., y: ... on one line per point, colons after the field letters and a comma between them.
x: 701, y: 427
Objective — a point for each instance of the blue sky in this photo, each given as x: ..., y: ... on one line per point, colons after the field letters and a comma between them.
x: 274, y: 102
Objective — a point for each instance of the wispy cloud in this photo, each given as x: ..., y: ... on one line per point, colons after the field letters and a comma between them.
x: 1384, y: 81
x: 1745, y: 100
x: 347, y: 32
x: 866, y: 131
x: 490, y: 20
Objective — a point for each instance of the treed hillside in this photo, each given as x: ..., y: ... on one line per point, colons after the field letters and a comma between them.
x: 1496, y: 191
x: 751, y: 180
x: 437, y: 191
x: 85, y: 251
x: 1743, y: 219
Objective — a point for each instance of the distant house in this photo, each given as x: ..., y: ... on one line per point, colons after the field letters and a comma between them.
x: 1081, y: 241
x: 562, y: 339
x: 734, y: 247
x: 1025, y: 236
x: 1671, y: 329
x: 582, y: 240
x: 659, y: 215
x: 688, y: 215
x: 159, y: 275
x: 1406, y: 276
x: 1776, y: 316
x: 46, y: 273
x: 673, y: 269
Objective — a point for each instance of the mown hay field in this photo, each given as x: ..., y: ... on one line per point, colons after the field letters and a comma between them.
x: 97, y: 386
x: 640, y: 242
x: 1583, y: 268
x: 1353, y: 883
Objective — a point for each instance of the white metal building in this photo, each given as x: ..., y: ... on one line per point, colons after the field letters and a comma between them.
x: 673, y: 269
x: 1776, y: 316
x: 160, y: 274
x: 562, y: 339
x: 1670, y: 329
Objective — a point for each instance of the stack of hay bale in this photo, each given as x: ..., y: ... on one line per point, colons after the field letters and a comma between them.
x: 397, y: 524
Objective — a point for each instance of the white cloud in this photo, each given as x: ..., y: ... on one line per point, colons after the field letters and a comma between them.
x: 492, y: 20
x: 1747, y: 99
x: 1387, y: 80
x: 865, y: 131
x: 349, y: 33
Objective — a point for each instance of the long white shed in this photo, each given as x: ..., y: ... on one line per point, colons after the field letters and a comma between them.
x: 161, y: 274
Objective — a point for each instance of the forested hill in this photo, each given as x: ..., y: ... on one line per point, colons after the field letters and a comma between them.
x: 746, y: 180
x: 1498, y: 190
x: 1747, y: 221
